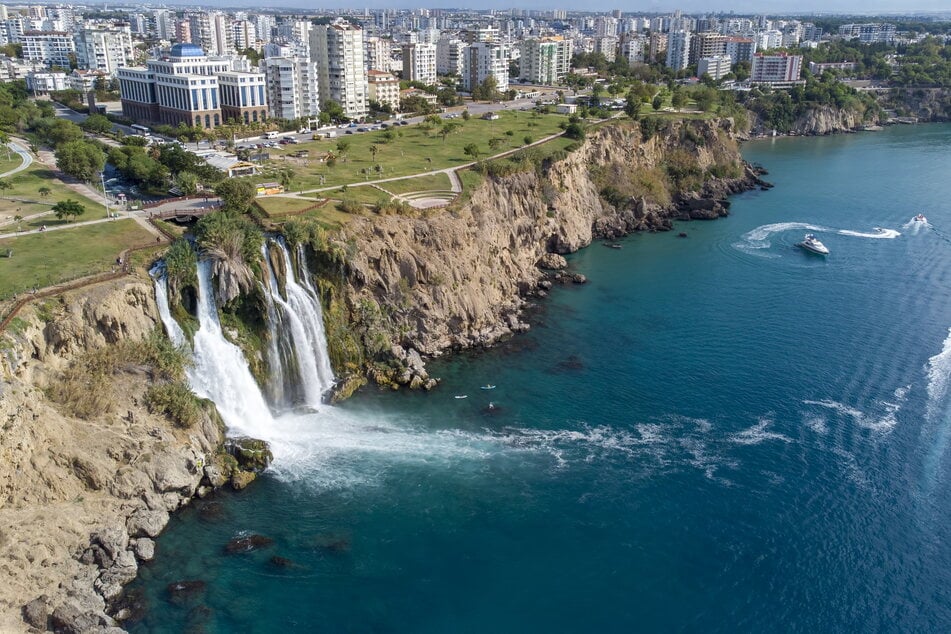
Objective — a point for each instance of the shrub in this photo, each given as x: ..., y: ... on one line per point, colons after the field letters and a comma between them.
x: 175, y: 400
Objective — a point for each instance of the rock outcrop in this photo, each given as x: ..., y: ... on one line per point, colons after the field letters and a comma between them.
x: 83, y: 498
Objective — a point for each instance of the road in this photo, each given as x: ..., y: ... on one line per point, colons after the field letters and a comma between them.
x: 24, y: 155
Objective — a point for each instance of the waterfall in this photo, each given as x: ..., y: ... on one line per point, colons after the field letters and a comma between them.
x: 300, y: 365
x: 219, y: 370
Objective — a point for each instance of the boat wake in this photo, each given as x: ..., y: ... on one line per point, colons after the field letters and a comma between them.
x: 914, y: 227
x: 758, y: 239
x: 937, y: 431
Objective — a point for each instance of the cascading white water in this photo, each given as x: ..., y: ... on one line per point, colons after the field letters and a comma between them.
x: 296, y: 331
x: 219, y: 370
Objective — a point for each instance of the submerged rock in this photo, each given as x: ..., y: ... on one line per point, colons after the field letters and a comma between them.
x: 281, y: 562
x: 241, y: 479
x: 332, y: 542
x: 247, y: 543
x: 186, y: 591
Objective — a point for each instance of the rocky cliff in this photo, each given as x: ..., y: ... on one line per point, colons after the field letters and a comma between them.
x: 88, y: 476
x: 461, y: 278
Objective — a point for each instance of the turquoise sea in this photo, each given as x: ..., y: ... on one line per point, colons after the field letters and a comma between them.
x: 721, y: 433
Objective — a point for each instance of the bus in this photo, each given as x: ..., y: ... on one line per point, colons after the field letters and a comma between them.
x: 140, y: 129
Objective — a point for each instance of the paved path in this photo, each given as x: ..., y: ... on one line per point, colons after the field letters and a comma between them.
x: 24, y: 154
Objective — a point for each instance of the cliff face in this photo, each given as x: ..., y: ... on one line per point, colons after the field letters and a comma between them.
x: 817, y: 121
x: 460, y: 279
x: 82, y: 497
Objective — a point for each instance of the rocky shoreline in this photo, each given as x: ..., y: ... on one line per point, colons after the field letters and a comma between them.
x: 84, y: 497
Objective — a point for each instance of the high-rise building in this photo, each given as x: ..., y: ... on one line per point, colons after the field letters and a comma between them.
x: 706, y: 44
x: 292, y: 87
x: 775, y: 69
x: 337, y: 49
x: 545, y: 61
x: 105, y: 49
x: 740, y: 49
x: 658, y: 46
x: 449, y: 56
x: 419, y: 63
x: 607, y: 46
x: 53, y: 48
x: 164, y: 24
x: 211, y: 30
x: 483, y: 60
x: 678, y: 49
x: 635, y: 49
x: 244, y: 34
x: 377, y: 54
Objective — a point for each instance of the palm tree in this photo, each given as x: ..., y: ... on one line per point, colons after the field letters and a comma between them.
x: 18, y: 219
x: 374, y: 150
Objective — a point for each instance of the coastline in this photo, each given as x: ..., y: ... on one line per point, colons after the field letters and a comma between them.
x: 121, y: 476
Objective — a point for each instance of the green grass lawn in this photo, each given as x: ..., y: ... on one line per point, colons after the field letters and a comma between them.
x: 418, y: 150
x: 48, y: 258
x: 24, y: 199
x: 364, y: 194
x: 430, y: 182
x: 9, y: 162
x: 281, y: 206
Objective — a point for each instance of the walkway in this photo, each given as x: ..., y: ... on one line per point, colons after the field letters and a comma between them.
x: 24, y: 154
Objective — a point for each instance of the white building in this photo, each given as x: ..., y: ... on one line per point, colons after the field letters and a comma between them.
x: 104, y: 49
x: 243, y: 96
x: 716, y: 66
x: 607, y: 46
x: 43, y: 83
x: 545, y: 61
x: 341, y: 70
x: 384, y: 89
x: 244, y: 34
x: 775, y: 69
x: 678, y: 49
x: 53, y: 48
x: 211, y: 30
x: 635, y: 49
x: 292, y: 87
x: 449, y: 55
x: 183, y: 87
x: 483, y: 60
x: 378, y: 54
x: 419, y: 63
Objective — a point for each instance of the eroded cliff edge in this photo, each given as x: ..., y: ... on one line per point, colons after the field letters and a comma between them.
x: 88, y: 475
x: 461, y: 278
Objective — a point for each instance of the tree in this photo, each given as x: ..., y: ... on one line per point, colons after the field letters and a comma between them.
x: 472, y: 150
x: 449, y: 127
x: 657, y: 103
x: 374, y: 150
x: 678, y: 99
x: 18, y: 219
x: 187, y: 183
x: 495, y: 143
x: 465, y: 115
x: 236, y: 195
x: 333, y: 110
x: 68, y: 209
x: 488, y: 90
x: 574, y: 131
x: 44, y: 191
x: 97, y: 123
x: 632, y: 105
x: 4, y: 185
x: 80, y: 159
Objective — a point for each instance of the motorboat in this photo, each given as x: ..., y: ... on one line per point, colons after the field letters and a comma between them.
x: 488, y: 387
x: 811, y: 243
x: 920, y: 218
x: 462, y: 396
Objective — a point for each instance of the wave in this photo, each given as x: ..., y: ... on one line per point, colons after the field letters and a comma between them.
x: 914, y: 227
x: 938, y: 430
x: 757, y: 434
x: 882, y: 422
x: 759, y: 238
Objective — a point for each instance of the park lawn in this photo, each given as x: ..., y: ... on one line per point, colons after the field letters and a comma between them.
x: 44, y: 259
x: 25, y: 188
x: 283, y: 205
x: 428, y: 183
x: 418, y: 150
x: 9, y: 161
x: 328, y: 216
x: 363, y: 194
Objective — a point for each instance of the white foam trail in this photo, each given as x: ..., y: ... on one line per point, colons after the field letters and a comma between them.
x: 939, y: 376
x: 759, y: 238
x: 914, y: 227
x: 758, y: 433
x: 882, y: 423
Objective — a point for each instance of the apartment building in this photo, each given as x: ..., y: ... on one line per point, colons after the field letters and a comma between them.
x: 338, y: 50
x: 545, y: 61
x: 716, y: 66
x: 384, y: 88
x: 292, y: 87
x: 449, y: 56
x: 775, y: 69
x: 419, y: 63
x: 483, y: 60
x: 678, y: 49
x: 52, y: 48
x: 104, y: 49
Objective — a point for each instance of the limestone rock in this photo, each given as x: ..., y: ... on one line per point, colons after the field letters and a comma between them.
x: 552, y: 262
x: 70, y: 618
x: 241, y: 479
x: 144, y: 549
x: 147, y: 523
x: 252, y: 454
x: 216, y: 477
x: 170, y: 472
x: 36, y: 613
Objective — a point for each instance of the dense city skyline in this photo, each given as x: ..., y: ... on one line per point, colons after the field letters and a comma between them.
x: 743, y: 7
